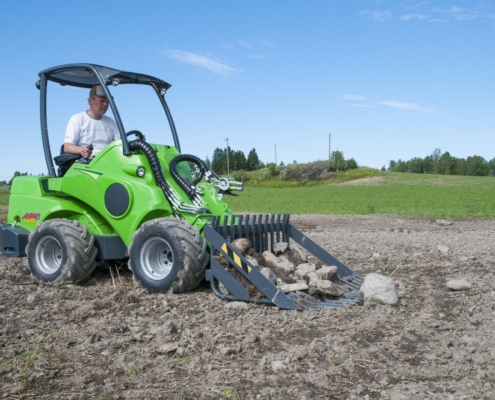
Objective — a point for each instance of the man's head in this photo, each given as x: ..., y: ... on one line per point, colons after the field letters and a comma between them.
x: 98, y: 102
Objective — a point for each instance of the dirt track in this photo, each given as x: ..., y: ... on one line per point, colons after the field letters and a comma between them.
x: 108, y: 339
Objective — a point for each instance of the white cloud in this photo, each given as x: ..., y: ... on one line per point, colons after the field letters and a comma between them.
x: 398, y: 104
x: 436, y: 14
x: 202, y: 61
x: 377, y: 15
x: 406, y: 106
x: 409, y: 17
x: 352, y: 97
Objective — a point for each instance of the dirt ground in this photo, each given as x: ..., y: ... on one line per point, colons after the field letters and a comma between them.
x: 108, y: 339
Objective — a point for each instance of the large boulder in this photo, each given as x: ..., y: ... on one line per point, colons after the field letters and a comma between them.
x: 378, y: 289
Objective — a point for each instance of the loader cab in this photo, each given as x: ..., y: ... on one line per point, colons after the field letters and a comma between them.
x: 86, y: 76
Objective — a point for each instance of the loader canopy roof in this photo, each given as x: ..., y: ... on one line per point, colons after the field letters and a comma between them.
x: 84, y: 75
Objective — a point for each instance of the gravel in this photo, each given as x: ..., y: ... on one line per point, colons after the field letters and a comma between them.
x: 110, y: 339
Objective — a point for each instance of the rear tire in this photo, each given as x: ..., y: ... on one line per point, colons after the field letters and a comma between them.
x: 168, y: 255
x: 60, y: 250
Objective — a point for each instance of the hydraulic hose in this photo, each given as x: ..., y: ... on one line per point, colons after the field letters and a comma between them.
x: 156, y: 169
x: 187, y: 188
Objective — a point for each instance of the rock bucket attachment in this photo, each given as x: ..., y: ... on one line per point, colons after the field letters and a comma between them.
x: 263, y: 234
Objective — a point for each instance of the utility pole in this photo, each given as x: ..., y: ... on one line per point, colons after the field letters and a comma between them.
x: 275, y: 144
x: 228, y: 170
x: 329, y: 147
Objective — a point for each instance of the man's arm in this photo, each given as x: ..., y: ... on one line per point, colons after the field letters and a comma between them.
x: 73, y: 149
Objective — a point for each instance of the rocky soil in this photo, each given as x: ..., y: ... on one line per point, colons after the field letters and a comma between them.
x: 108, y: 339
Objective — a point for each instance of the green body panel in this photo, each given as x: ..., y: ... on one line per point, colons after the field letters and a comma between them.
x: 80, y: 194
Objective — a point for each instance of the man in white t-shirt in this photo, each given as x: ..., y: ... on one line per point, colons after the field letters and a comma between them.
x: 91, y: 127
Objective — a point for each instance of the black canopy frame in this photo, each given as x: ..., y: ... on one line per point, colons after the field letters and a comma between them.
x: 86, y: 76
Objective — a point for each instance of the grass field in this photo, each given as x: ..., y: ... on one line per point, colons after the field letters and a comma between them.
x: 4, y: 197
x: 389, y: 193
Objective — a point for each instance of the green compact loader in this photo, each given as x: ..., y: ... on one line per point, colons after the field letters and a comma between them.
x: 147, y: 205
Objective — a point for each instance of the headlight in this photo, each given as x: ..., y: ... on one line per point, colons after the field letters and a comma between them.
x: 140, y: 171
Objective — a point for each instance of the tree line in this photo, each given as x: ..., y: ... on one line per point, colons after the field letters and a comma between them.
x: 445, y: 164
x: 237, y: 161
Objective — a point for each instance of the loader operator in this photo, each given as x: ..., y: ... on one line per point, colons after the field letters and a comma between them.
x: 91, y: 127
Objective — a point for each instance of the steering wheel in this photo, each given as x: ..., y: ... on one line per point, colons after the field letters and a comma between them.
x: 135, y: 132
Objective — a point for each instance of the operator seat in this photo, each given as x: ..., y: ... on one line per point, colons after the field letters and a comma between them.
x: 64, y: 161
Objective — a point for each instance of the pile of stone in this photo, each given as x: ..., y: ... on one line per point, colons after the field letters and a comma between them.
x: 287, y: 268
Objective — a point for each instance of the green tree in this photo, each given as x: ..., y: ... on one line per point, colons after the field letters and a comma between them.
x: 435, y: 156
x: 460, y: 166
x: 219, y: 161
x: 337, y: 161
x: 16, y: 174
x: 352, y: 164
x: 253, y: 161
x: 208, y: 163
x: 415, y: 165
x: 476, y: 166
x: 446, y: 164
x: 391, y: 166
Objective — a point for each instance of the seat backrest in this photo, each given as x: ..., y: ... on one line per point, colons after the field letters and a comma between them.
x: 64, y: 161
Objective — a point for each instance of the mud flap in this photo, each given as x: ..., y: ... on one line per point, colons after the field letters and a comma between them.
x: 263, y: 233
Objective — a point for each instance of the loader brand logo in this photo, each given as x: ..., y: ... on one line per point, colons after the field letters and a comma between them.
x: 241, y: 264
x: 31, y: 218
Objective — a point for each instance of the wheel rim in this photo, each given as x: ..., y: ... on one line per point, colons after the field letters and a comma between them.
x: 156, y: 258
x: 48, y: 255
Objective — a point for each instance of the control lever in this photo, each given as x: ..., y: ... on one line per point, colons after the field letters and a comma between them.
x: 84, y: 160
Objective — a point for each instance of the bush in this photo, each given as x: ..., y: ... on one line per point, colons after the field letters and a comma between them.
x: 352, y: 164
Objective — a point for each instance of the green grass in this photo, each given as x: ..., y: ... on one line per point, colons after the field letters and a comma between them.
x: 4, y: 197
x: 391, y: 193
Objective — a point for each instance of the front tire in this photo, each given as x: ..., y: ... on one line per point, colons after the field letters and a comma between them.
x: 60, y: 250
x: 168, y: 255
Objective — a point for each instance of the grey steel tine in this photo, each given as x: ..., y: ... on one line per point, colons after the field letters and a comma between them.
x: 267, y: 233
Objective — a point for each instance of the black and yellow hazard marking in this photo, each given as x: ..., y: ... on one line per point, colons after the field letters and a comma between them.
x: 241, y: 264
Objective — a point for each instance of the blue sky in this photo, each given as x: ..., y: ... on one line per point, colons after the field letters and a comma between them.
x: 387, y: 79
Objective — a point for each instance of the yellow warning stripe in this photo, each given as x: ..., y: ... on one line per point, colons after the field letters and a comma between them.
x: 241, y: 264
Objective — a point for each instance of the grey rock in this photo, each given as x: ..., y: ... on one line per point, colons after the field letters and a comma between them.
x: 242, y: 245
x: 458, y: 357
x: 223, y: 289
x: 313, y: 278
x: 378, y: 289
x: 278, y: 366
x: 240, y: 305
x: 444, y: 222
x: 226, y: 351
x: 443, y: 249
x: 376, y: 256
x: 303, y: 269
x: 268, y: 274
x: 33, y: 298
x: 280, y: 247
x: 286, y: 265
x: 253, y: 261
x: 181, y: 351
x: 168, y: 348
x: 458, y: 284
x: 327, y: 272
x: 329, y: 288
x: 269, y: 256
x: 293, y: 287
